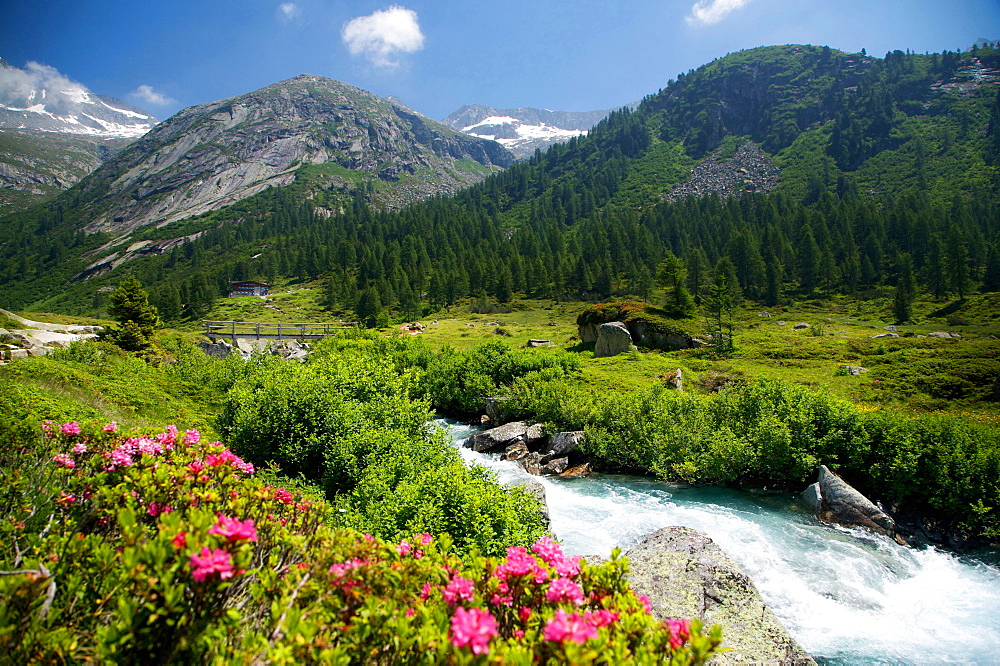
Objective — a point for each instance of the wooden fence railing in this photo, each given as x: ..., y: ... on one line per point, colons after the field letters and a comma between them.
x: 273, y: 331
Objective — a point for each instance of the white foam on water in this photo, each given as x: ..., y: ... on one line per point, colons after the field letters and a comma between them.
x: 847, y: 596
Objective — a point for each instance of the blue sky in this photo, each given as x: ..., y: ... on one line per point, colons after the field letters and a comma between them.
x: 437, y: 55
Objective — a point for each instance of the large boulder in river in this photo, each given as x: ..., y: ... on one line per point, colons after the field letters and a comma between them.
x: 613, y: 338
x: 836, y: 501
x: 504, y: 436
x: 686, y: 575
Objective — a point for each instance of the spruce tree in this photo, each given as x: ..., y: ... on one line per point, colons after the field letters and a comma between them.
x: 137, y: 319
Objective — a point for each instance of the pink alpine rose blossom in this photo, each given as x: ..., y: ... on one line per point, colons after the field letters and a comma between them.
x: 207, y: 563
x: 563, y: 589
x: 79, y: 448
x: 680, y: 631
x: 570, y: 627
x: 234, y: 530
x: 64, y: 460
x: 110, y: 427
x: 458, y: 588
x: 71, y: 428
x: 473, y: 628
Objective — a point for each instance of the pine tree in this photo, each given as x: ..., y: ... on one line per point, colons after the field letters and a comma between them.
x: 137, y: 319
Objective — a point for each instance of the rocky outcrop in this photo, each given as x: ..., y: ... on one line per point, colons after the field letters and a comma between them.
x: 291, y: 350
x: 686, y: 575
x: 537, y: 453
x: 613, y: 338
x: 835, y: 501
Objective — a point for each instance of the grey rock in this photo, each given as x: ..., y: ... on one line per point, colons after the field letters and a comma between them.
x: 781, y: 323
x: 613, y: 338
x: 676, y: 379
x: 39, y: 351
x: 515, y: 451
x: 534, y: 434
x: 555, y: 466
x: 939, y: 334
x: 813, y: 497
x: 888, y: 334
x: 853, y: 369
x: 890, y: 328
x: 494, y: 409
x: 498, y: 438
x: 840, y: 503
x: 564, y: 442
x: 532, y: 463
x: 801, y: 325
x: 686, y: 575
x: 535, y: 489
x: 17, y: 353
x: 540, y: 343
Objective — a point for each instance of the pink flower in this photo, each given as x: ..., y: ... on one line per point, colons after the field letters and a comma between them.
x: 524, y: 613
x: 404, y: 548
x: 64, y: 460
x: 570, y: 627
x: 191, y: 436
x: 196, y: 466
x: 427, y: 591
x: 548, y: 550
x: 79, y: 448
x: 209, y: 562
x: 234, y: 530
x: 680, y: 631
x: 473, y: 628
x: 71, y: 428
x: 65, y: 498
x: 111, y: 427
x: 568, y: 567
x: 563, y: 589
x: 47, y: 425
x: 602, y: 617
x: 180, y: 541
x: 424, y: 539
x: 283, y: 496
x: 458, y: 588
x: 155, y: 509
x: 645, y: 603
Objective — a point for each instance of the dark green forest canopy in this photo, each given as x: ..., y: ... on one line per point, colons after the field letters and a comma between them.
x: 881, y: 158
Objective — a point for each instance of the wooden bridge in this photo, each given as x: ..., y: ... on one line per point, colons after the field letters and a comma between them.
x: 271, y: 331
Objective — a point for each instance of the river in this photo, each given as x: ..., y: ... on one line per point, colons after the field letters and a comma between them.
x: 847, y: 596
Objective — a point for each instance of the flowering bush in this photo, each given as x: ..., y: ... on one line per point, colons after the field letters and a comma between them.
x: 161, y: 548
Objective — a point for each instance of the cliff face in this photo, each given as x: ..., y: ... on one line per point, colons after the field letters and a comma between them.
x: 35, y: 166
x: 211, y: 155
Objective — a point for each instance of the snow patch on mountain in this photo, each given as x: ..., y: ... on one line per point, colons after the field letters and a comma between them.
x: 40, y: 98
x: 525, y: 129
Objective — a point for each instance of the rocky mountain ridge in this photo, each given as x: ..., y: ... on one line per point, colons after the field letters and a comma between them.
x: 212, y: 155
x: 524, y: 129
x: 66, y: 108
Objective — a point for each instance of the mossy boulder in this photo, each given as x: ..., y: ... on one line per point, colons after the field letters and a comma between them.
x: 686, y: 575
x: 647, y: 326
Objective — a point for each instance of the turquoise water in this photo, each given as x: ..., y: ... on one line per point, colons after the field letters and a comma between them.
x: 847, y: 596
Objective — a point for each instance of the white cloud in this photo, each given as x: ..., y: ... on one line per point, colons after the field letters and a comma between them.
x: 289, y: 11
x: 707, y: 12
x: 146, y: 94
x: 382, y: 34
x: 36, y: 83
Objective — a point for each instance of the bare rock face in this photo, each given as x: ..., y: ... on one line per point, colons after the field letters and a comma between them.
x: 562, y: 443
x: 537, y: 490
x: 835, y: 501
x: 686, y: 575
x: 613, y: 338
